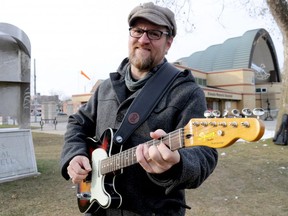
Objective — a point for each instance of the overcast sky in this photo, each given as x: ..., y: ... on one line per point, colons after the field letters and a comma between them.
x: 68, y: 36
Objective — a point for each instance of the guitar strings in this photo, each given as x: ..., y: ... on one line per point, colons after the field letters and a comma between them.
x: 128, y: 157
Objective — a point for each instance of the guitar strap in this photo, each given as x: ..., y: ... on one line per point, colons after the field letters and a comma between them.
x: 146, y: 101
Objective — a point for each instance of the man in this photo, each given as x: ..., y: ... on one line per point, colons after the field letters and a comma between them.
x: 156, y: 184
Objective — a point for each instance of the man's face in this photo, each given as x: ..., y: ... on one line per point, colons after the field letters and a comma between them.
x: 144, y: 53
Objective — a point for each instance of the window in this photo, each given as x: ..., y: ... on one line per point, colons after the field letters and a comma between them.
x: 261, y: 90
x: 200, y: 81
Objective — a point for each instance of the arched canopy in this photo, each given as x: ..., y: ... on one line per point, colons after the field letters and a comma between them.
x: 254, y: 49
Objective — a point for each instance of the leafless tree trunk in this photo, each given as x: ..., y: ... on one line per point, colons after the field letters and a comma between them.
x: 279, y: 11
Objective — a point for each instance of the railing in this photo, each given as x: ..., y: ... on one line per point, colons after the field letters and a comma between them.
x: 44, y: 121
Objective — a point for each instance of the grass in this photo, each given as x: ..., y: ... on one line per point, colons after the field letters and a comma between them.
x: 45, y: 195
x: 8, y: 126
x: 250, y: 179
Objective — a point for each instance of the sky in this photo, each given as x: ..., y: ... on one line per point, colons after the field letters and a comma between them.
x: 70, y: 36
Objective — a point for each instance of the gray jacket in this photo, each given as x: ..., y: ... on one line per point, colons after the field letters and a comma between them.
x: 144, y: 193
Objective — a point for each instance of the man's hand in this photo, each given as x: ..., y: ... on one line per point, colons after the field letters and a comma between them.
x: 156, y: 158
x: 78, y: 168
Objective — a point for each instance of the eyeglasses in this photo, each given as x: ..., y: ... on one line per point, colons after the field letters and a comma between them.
x: 151, y: 34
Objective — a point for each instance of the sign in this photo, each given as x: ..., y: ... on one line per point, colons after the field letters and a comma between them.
x: 222, y: 95
x: 17, y: 157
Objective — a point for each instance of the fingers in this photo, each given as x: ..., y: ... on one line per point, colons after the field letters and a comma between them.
x: 157, y: 157
x: 142, y: 155
x: 157, y: 134
x: 78, y: 168
x: 163, y: 157
x: 86, y: 164
x: 150, y: 159
x: 163, y: 152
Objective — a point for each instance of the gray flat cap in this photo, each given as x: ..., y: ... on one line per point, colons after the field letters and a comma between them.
x: 156, y: 14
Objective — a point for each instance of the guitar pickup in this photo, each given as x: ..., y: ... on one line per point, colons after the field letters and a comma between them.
x: 83, y: 196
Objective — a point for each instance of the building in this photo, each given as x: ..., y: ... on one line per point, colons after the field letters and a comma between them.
x: 78, y: 100
x: 242, y: 72
x: 46, y: 107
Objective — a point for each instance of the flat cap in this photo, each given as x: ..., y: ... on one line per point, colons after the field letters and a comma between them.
x: 156, y: 14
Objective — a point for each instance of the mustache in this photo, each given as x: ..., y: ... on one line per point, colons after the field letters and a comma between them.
x: 147, y: 47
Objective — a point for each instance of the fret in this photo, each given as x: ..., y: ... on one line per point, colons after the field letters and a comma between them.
x: 169, y: 141
x: 125, y: 158
x: 180, y: 137
x: 118, y: 162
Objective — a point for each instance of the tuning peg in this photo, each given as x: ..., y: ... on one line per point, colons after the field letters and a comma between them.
x: 225, y: 113
x: 258, y: 112
x: 208, y: 114
x: 216, y: 113
x: 246, y: 112
x: 235, y: 112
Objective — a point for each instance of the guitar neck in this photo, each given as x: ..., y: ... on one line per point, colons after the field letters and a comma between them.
x: 173, y: 140
x: 210, y: 132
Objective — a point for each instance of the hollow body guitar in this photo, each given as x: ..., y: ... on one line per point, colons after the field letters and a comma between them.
x: 98, y: 189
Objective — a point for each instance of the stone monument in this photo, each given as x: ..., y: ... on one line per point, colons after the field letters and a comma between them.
x: 17, y: 157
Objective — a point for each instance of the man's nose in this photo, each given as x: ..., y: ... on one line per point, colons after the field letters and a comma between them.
x: 144, y: 38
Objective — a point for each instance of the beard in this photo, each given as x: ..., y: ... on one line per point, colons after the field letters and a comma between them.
x: 142, y: 63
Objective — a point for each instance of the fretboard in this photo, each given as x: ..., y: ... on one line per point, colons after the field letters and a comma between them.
x: 173, y: 140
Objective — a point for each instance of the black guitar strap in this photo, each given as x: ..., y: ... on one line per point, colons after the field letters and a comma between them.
x: 146, y: 101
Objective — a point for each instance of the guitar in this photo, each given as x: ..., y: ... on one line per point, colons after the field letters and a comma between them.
x: 98, y: 191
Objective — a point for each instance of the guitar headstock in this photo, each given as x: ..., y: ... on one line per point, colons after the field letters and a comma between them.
x: 222, y: 132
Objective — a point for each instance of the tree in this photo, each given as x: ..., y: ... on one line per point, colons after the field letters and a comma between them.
x: 279, y: 11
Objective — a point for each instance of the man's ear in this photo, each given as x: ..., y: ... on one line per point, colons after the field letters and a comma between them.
x: 169, y: 43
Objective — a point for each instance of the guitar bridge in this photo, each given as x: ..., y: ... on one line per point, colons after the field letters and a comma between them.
x: 84, y: 196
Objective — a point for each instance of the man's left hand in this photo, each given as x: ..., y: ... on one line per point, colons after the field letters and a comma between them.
x: 156, y: 158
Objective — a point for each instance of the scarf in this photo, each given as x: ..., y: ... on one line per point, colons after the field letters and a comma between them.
x: 134, y: 85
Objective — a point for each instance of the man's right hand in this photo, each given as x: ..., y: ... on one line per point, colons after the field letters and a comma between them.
x: 78, y: 168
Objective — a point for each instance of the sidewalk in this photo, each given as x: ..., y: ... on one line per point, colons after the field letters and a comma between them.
x: 50, y: 128
x: 270, y: 127
x: 61, y: 128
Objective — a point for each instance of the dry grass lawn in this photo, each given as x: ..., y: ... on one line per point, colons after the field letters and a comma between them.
x: 251, y: 179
